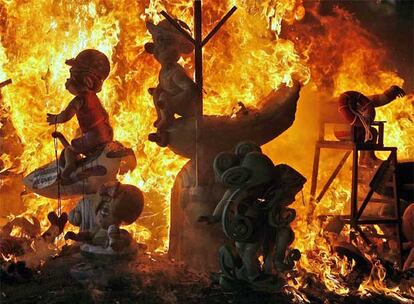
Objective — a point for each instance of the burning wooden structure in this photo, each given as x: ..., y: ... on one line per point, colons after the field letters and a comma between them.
x: 262, y: 48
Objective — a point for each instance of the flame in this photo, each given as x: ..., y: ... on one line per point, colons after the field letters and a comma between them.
x: 6, y: 162
x: 263, y: 45
x: 39, y: 72
x: 375, y: 284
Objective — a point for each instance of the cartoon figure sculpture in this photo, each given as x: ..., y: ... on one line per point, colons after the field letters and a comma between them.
x: 176, y: 92
x: 88, y: 71
x: 115, y: 204
x: 359, y: 111
x: 255, y: 216
x: 103, y: 158
x: 195, y: 189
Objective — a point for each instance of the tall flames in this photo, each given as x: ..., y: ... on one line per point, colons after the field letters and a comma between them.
x: 262, y: 46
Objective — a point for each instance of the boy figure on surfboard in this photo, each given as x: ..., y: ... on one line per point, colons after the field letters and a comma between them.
x: 87, y: 73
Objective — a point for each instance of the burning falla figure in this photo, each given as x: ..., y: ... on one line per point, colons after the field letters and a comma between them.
x: 93, y: 158
x: 359, y: 111
x: 255, y: 216
x: 101, y: 216
x: 176, y: 92
x: 87, y: 73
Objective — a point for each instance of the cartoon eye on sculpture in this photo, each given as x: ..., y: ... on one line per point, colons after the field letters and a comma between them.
x: 254, y: 214
x: 100, y: 217
x: 176, y: 92
x: 359, y: 111
x: 102, y: 157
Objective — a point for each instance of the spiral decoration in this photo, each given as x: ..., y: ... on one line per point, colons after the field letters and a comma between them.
x: 246, y: 147
x: 224, y: 161
x: 235, y: 177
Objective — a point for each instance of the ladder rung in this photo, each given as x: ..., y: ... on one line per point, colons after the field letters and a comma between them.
x: 362, y: 180
x: 335, y: 145
x: 363, y: 221
x: 378, y: 236
x: 383, y: 200
x: 378, y: 200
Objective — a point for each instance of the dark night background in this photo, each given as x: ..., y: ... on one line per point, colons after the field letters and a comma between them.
x: 392, y: 22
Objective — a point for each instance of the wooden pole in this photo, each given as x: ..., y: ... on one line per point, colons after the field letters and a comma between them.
x: 219, y: 25
x: 198, y: 52
x: 178, y: 27
x: 6, y: 82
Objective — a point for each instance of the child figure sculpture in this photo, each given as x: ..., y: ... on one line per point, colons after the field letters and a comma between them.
x: 176, y: 92
x: 88, y: 71
x: 114, y: 205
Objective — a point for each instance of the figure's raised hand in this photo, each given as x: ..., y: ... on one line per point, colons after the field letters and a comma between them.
x: 57, y: 134
x: 395, y: 91
x: 52, y: 119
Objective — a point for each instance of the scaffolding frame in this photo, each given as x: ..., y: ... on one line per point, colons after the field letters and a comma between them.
x: 356, y: 219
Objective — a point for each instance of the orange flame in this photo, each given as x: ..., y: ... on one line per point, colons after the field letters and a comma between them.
x: 243, y: 62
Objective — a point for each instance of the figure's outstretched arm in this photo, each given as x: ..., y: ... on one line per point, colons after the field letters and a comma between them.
x: 67, y: 113
x: 389, y: 95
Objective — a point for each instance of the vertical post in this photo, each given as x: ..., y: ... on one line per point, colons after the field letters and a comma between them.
x: 198, y: 54
x: 397, y: 211
x: 354, y: 191
x: 315, y: 170
x: 198, y: 79
x: 314, y: 183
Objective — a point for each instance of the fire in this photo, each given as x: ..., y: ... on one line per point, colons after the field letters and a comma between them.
x: 355, y: 63
x: 375, y: 284
x: 262, y: 46
x: 39, y: 72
